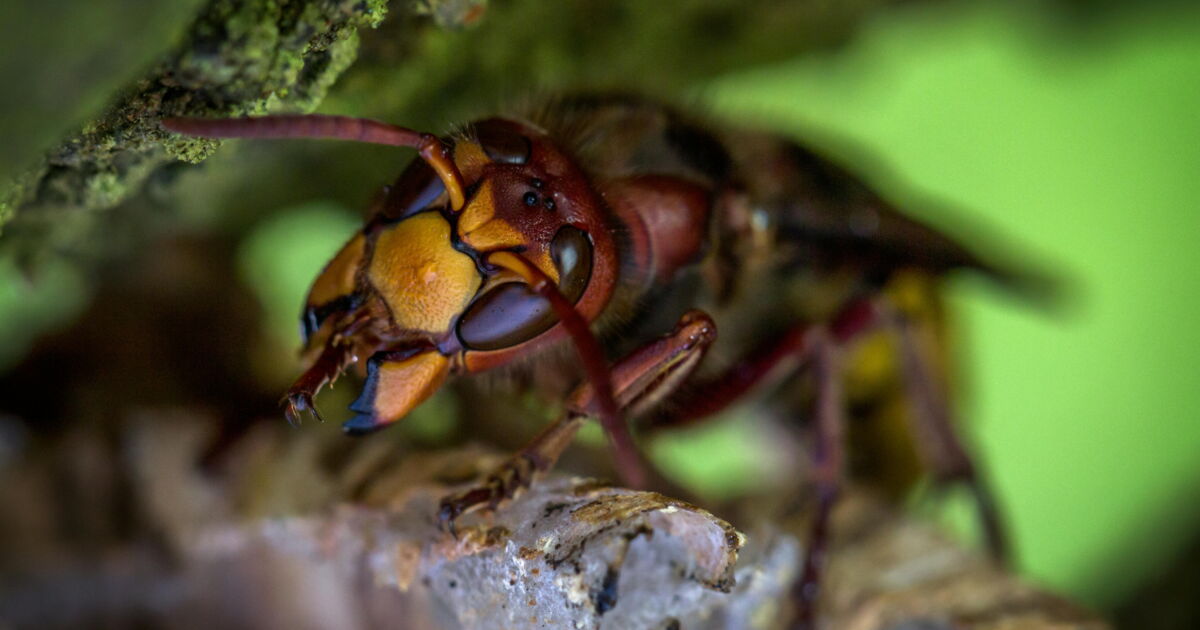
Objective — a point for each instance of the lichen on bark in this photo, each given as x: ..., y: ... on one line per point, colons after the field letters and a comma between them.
x: 238, y: 58
x: 424, y: 68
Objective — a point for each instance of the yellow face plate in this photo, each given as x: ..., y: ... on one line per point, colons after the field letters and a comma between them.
x: 425, y: 282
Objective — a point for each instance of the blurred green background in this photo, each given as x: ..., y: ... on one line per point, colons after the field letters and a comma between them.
x: 1076, y: 140
x: 1083, y: 146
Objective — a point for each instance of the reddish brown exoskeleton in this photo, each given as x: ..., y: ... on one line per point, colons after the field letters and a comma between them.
x: 631, y: 231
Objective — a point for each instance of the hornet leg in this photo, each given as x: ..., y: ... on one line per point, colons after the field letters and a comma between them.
x: 828, y: 456
x: 933, y: 428
x: 640, y: 380
x: 327, y: 367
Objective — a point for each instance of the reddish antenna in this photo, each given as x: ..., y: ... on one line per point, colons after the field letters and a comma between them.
x: 429, y: 146
x: 592, y: 356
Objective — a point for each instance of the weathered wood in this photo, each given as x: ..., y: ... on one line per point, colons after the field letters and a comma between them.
x: 277, y: 539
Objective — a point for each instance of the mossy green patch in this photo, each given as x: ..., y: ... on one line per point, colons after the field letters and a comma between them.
x: 238, y: 58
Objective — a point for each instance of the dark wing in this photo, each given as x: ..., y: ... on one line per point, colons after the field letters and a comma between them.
x: 835, y: 219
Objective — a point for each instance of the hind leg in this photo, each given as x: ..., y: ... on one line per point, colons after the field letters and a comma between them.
x: 934, y: 430
x: 828, y: 463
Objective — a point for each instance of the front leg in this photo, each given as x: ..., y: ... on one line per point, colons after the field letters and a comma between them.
x: 640, y: 380
x: 299, y: 398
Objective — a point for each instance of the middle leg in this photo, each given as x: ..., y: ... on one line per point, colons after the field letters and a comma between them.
x: 814, y: 350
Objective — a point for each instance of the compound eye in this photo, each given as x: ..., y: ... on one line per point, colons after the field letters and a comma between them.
x: 505, y: 316
x: 503, y: 141
x: 511, y: 314
x: 571, y: 250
